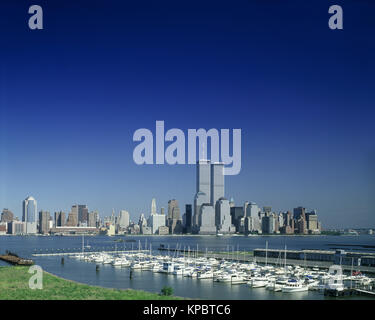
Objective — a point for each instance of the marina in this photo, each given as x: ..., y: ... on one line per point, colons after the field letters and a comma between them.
x: 195, y: 267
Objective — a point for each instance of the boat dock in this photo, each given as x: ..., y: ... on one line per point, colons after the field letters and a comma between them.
x: 16, y: 260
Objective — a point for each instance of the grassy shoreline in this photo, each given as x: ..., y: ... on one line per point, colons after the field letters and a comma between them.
x: 14, y: 285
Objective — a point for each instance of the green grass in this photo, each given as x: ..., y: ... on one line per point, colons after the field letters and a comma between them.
x: 14, y: 285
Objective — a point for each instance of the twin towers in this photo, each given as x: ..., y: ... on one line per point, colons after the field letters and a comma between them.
x: 211, y: 208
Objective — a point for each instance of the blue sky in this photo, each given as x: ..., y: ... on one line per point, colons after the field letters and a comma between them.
x: 73, y: 94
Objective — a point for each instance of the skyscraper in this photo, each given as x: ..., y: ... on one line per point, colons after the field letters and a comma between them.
x: 153, y: 206
x: 209, y: 218
x: 59, y: 219
x: 217, y: 182
x: 174, y: 217
x: 82, y: 212
x: 44, y: 217
x: 29, y: 215
x: 93, y: 218
x: 155, y: 221
x: 7, y: 216
x: 203, y: 188
x: 188, y: 218
x: 223, y: 219
x: 124, y: 219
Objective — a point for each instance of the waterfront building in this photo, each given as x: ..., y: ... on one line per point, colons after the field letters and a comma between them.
x: 210, y: 188
x: 188, y: 218
x: 44, y: 218
x: 298, y: 212
x: 111, y: 230
x: 237, y: 213
x: 288, y: 225
x: 124, y: 219
x: 3, y: 228
x: 16, y: 227
x: 174, y: 221
x: 72, y: 220
x: 155, y: 221
x: 207, y: 220
x: 217, y: 182
x: 203, y: 188
x: 163, y: 230
x: 83, y: 213
x: 6, y: 216
x: 93, y: 219
x: 223, y: 219
x: 252, y: 210
x: 312, y: 222
x: 59, y: 219
x: 268, y: 226
x: 29, y: 215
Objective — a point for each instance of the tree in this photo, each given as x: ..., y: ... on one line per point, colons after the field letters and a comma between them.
x: 166, y: 291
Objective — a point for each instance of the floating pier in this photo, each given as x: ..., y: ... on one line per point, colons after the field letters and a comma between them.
x: 14, y: 259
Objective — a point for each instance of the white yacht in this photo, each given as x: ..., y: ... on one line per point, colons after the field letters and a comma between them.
x: 294, y: 286
x: 258, y: 282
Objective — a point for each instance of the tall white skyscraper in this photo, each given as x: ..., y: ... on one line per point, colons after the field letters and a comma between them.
x: 153, y: 206
x: 155, y: 220
x: 217, y: 182
x: 203, y: 188
x: 29, y: 211
x: 124, y: 219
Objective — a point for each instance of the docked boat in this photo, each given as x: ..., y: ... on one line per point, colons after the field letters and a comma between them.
x: 258, y: 282
x: 294, y: 286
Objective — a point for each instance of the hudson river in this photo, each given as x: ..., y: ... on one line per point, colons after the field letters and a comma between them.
x: 114, y: 277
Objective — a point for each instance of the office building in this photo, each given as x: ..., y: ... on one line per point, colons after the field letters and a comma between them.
x: 59, y: 219
x: 174, y: 217
x: 29, y: 215
x: 217, y: 182
x: 16, y: 227
x: 124, y: 219
x: 188, y: 218
x: 223, y: 219
x: 155, y: 221
x: 44, y: 218
x: 93, y: 219
x: 6, y: 216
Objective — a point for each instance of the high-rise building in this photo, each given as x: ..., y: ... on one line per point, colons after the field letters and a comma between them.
x: 7, y: 216
x: 72, y: 220
x: 237, y: 213
x: 29, y: 215
x: 156, y: 220
x: 203, y: 189
x: 217, y: 182
x: 223, y: 219
x: 188, y: 218
x: 93, y: 219
x: 59, y: 219
x: 44, y: 217
x: 174, y: 217
x: 210, y: 188
x: 82, y: 212
x: 297, y: 212
x: 16, y: 227
x: 153, y: 206
x: 124, y: 219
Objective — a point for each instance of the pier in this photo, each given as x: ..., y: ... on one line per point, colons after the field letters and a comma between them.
x: 16, y: 260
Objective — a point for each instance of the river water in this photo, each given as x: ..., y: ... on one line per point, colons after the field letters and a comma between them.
x: 114, y: 277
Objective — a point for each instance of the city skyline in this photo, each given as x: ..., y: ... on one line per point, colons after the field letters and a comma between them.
x: 73, y: 94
